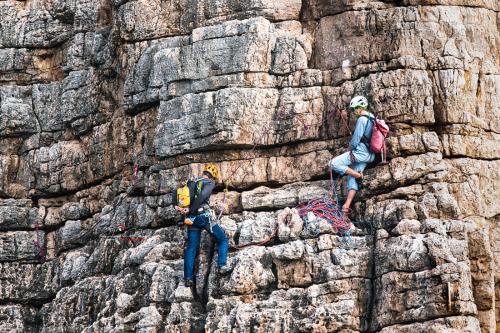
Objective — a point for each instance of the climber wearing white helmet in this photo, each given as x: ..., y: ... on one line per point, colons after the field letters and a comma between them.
x: 354, y: 161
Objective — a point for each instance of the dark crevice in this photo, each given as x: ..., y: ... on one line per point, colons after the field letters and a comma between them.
x: 204, y: 297
x: 428, y: 319
x: 86, y: 186
x: 124, y: 42
x: 34, y: 303
x: 20, y: 261
x: 141, y: 108
x: 370, y: 306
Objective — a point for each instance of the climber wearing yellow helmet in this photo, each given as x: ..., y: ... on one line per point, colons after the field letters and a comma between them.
x: 198, y: 218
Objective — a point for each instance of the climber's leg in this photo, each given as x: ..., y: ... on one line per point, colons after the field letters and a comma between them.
x: 340, y: 163
x: 190, y: 252
x: 352, y: 184
x: 222, y: 244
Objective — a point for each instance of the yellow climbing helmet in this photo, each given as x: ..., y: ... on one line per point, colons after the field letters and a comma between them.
x: 212, y: 169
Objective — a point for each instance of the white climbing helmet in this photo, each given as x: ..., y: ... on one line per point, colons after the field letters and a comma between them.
x: 359, y: 102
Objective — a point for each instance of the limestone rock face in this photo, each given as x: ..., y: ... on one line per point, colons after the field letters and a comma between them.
x: 107, y: 106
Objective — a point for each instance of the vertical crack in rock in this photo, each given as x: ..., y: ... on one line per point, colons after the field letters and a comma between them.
x: 369, y: 308
x: 204, y: 297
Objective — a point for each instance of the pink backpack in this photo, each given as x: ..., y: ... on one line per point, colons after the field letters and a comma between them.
x: 380, y: 131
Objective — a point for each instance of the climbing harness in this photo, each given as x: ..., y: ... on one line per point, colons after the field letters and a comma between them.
x: 192, y: 218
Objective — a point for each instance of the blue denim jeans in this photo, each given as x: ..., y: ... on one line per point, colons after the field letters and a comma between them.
x: 193, y: 243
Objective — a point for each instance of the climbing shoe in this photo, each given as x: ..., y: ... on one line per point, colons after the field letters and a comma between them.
x: 188, y: 221
x: 188, y: 283
x: 223, y: 269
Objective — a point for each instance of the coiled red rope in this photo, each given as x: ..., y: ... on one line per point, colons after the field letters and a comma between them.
x: 325, y: 208
x: 328, y: 209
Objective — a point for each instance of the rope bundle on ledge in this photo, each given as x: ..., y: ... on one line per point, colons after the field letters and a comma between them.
x: 326, y: 209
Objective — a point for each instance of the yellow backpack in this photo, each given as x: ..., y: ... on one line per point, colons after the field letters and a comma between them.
x: 183, y: 197
x: 188, y: 192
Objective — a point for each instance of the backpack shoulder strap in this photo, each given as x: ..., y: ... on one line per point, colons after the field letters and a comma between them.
x: 199, y: 185
x: 369, y: 118
x: 372, y: 119
x: 364, y: 139
x: 195, y: 185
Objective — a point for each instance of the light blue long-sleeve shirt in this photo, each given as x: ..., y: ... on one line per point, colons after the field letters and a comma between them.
x: 364, y: 128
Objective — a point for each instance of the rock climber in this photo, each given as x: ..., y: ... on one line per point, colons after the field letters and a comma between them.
x: 197, y: 218
x: 354, y: 161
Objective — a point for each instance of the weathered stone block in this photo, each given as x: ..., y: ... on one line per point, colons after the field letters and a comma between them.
x: 61, y: 166
x: 409, y: 253
x: 483, y: 146
x: 333, y: 306
x: 28, y: 65
x: 16, y: 111
x: 286, y: 196
x: 253, y: 45
x: 47, y: 106
x: 467, y: 97
x: 387, y: 214
x: 290, y: 225
x: 32, y: 282
x: 142, y: 20
x: 17, y: 318
x: 79, y: 98
x: 304, y: 167
x: 17, y: 214
x: 21, y: 245
x: 31, y: 27
x: 251, y: 272
x: 256, y: 228
x: 95, y: 292
x: 336, y: 258
x: 359, y: 37
x: 239, y: 117
x: 466, y: 324
x: 405, y: 295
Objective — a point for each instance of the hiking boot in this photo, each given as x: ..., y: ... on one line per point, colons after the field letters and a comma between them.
x: 223, y: 269
x: 188, y: 283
